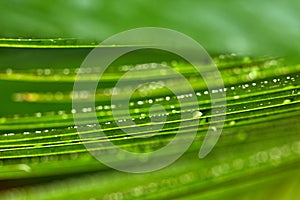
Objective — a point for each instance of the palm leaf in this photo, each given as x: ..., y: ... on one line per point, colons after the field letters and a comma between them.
x: 258, y: 138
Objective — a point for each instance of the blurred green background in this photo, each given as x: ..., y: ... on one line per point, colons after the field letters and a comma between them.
x: 260, y: 27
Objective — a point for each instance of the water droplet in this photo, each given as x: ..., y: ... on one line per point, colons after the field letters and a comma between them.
x: 252, y: 75
x: 9, y: 71
x: 295, y: 91
x: 241, y: 136
x: 197, y: 114
x: 222, y: 56
x: 238, y: 164
x: 73, y: 111
x: 275, y: 154
x: 232, y: 123
x: 213, y: 128
x: 24, y: 167
x: 47, y: 71
x: 58, y: 96
x: 286, y: 101
x: 66, y: 71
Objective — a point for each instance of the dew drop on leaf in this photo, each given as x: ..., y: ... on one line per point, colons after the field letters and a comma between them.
x: 232, y: 123
x: 287, y: 101
x: 197, y: 114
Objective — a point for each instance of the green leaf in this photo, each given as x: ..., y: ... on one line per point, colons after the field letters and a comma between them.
x: 39, y: 140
